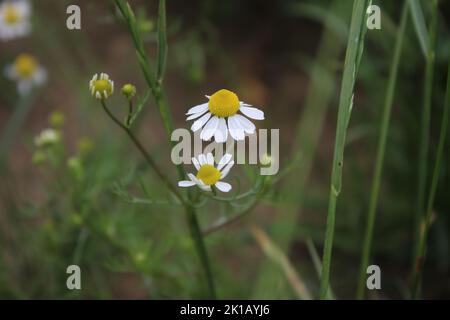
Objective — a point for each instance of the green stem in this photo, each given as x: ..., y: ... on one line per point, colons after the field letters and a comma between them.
x: 380, y: 152
x: 13, y: 126
x: 130, y: 113
x: 425, y: 225
x: 352, y: 59
x: 156, y: 86
x: 237, y: 217
x: 190, y: 211
x: 425, y: 130
x: 144, y: 152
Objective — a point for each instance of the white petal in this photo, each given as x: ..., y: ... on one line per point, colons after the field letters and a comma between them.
x: 193, y: 178
x: 221, y: 134
x: 252, y: 113
x: 236, y: 131
x: 40, y: 76
x: 24, y: 87
x: 196, y: 164
x: 225, y: 171
x: 186, y: 183
x: 205, y: 188
x: 200, y: 184
x: 23, y: 7
x: 223, y: 186
x: 200, y: 122
x: 225, y: 159
x: 209, y: 129
x: 248, y: 126
x: 202, y: 160
x: 210, y: 159
x: 196, y: 115
x: 199, y: 108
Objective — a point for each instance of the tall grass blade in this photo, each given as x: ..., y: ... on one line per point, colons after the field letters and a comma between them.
x: 321, y: 91
x: 278, y: 256
x: 162, y: 41
x: 318, y: 264
x: 426, y: 223
x: 422, y: 174
x: 345, y: 108
x: 389, y: 99
x: 420, y: 26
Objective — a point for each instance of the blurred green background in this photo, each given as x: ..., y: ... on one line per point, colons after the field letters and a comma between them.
x: 107, y: 211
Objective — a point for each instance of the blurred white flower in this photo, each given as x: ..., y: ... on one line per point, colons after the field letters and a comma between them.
x: 220, y: 116
x: 27, y: 73
x: 47, y: 137
x: 101, y: 87
x: 14, y: 19
x: 208, y: 175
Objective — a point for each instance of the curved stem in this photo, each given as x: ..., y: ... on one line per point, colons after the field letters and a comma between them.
x: 144, y: 152
x: 156, y: 87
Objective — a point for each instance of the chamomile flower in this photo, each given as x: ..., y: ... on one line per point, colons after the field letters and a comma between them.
x: 208, y: 175
x: 101, y: 86
x: 219, y: 116
x: 27, y: 72
x: 14, y: 19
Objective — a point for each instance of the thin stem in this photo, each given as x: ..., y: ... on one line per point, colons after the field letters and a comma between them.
x: 144, y: 152
x: 425, y: 126
x: 317, y: 263
x: 425, y: 225
x: 14, y: 124
x: 156, y: 86
x: 353, y: 55
x: 381, y: 151
x: 190, y: 211
x: 239, y: 216
x: 130, y: 112
x: 197, y: 236
x: 162, y: 41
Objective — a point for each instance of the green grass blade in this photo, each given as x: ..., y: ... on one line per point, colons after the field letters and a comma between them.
x: 420, y: 26
x: 162, y: 41
x: 389, y: 99
x: 345, y: 108
x: 318, y: 264
x: 423, y: 228
x: 321, y: 91
x: 274, y: 253
x: 420, y: 257
x: 425, y: 126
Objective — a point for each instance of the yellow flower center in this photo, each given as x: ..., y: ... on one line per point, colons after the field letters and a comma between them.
x: 103, y: 85
x: 208, y: 174
x: 11, y: 15
x: 25, y: 65
x: 224, y: 103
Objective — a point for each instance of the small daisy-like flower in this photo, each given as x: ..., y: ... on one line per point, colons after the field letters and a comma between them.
x: 27, y: 72
x: 208, y: 175
x: 14, y: 19
x: 101, y: 86
x: 220, y: 116
x: 46, y: 138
